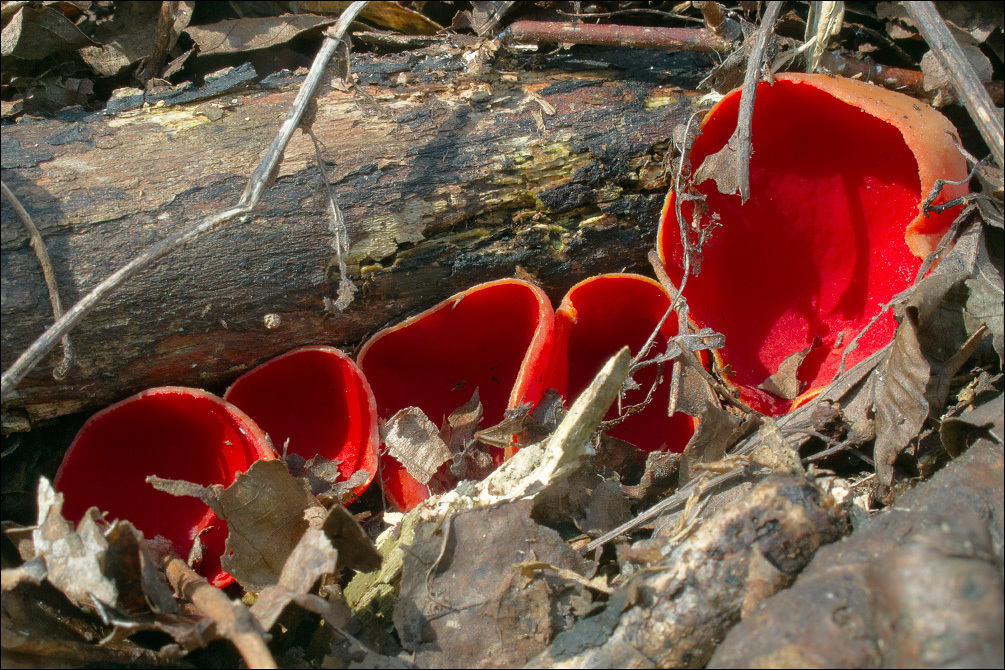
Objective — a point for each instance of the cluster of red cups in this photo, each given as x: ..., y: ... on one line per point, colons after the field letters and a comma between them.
x: 832, y: 232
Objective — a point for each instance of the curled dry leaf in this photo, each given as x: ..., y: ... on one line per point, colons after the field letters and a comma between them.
x: 313, y: 557
x: 99, y: 563
x: 412, y: 439
x: 901, y: 396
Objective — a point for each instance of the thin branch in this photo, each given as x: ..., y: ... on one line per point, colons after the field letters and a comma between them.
x: 609, y: 34
x: 741, y: 140
x: 955, y: 64
x: 38, y: 244
x: 163, y: 36
x: 260, y: 179
x: 233, y: 620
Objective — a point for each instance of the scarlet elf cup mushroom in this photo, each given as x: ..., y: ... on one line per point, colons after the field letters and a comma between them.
x: 494, y: 337
x: 597, y: 317
x: 173, y: 433
x: 832, y: 229
x: 314, y: 401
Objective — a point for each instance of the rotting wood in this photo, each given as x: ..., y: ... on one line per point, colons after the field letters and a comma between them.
x: 448, y: 171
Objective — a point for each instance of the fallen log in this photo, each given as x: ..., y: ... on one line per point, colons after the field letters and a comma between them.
x: 452, y: 165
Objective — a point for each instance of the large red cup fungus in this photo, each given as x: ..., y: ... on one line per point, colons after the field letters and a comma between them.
x: 173, y: 433
x: 597, y: 317
x: 832, y: 229
x: 493, y: 337
x: 314, y: 401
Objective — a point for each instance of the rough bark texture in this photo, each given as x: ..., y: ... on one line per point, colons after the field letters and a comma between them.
x: 446, y: 162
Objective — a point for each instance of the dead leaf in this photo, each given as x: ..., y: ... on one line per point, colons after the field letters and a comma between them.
x: 354, y: 546
x: 986, y: 298
x: 775, y: 452
x: 313, y: 557
x: 36, y: 32
x: 483, y: 18
x: 460, y: 427
x: 717, y: 431
x: 249, y: 34
x: 264, y: 511
x: 415, y: 442
x: 674, y: 614
x: 785, y: 383
x: 955, y: 431
x: 385, y: 14
x: 464, y: 604
x: 124, y: 39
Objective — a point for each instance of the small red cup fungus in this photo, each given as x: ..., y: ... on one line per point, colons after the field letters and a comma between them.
x: 597, y: 317
x: 314, y: 401
x: 173, y: 433
x: 832, y: 229
x: 494, y: 337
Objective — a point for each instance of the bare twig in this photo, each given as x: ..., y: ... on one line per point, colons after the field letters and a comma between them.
x: 38, y: 244
x: 233, y: 620
x: 257, y: 183
x: 163, y: 37
x: 608, y: 34
x: 893, y: 78
x: 739, y: 147
x: 955, y: 64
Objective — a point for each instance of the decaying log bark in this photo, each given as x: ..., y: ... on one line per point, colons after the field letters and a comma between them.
x: 452, y: 166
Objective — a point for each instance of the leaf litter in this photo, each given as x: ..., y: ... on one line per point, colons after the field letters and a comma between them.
x: 496, y: 572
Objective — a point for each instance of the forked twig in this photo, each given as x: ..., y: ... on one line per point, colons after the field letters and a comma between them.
x: 260, y: 179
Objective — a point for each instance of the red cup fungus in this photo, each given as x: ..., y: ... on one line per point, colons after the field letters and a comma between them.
x: 493, y: 337
x: 832, y: 229
x: 597, y: 317
x: 314, y: 401
x: 173, y: 433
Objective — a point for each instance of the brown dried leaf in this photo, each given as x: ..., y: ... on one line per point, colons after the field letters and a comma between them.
x: 916, y: 586
x: 385, y: 14
x: 264, y: 510
x: 412, y: 438
x: 901, y: 395
x: 355, y: 548
x: 460, y: 427
x: 935, y: 77
x: 463, y: 601
x: 717, y: 431
x: 124, y: 39
x: 249, y: 34
x: 775, y: 451
x: 723, y: 167
x: 483, y: 18
x: 313, y: 557
x: 36, y: 32
x: 955, y: 431
x: 785, y: 382
x: 986, y: 299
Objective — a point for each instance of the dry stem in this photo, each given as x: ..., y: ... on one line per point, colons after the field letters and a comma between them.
x: 955, y: 64
x: 233, y: 620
